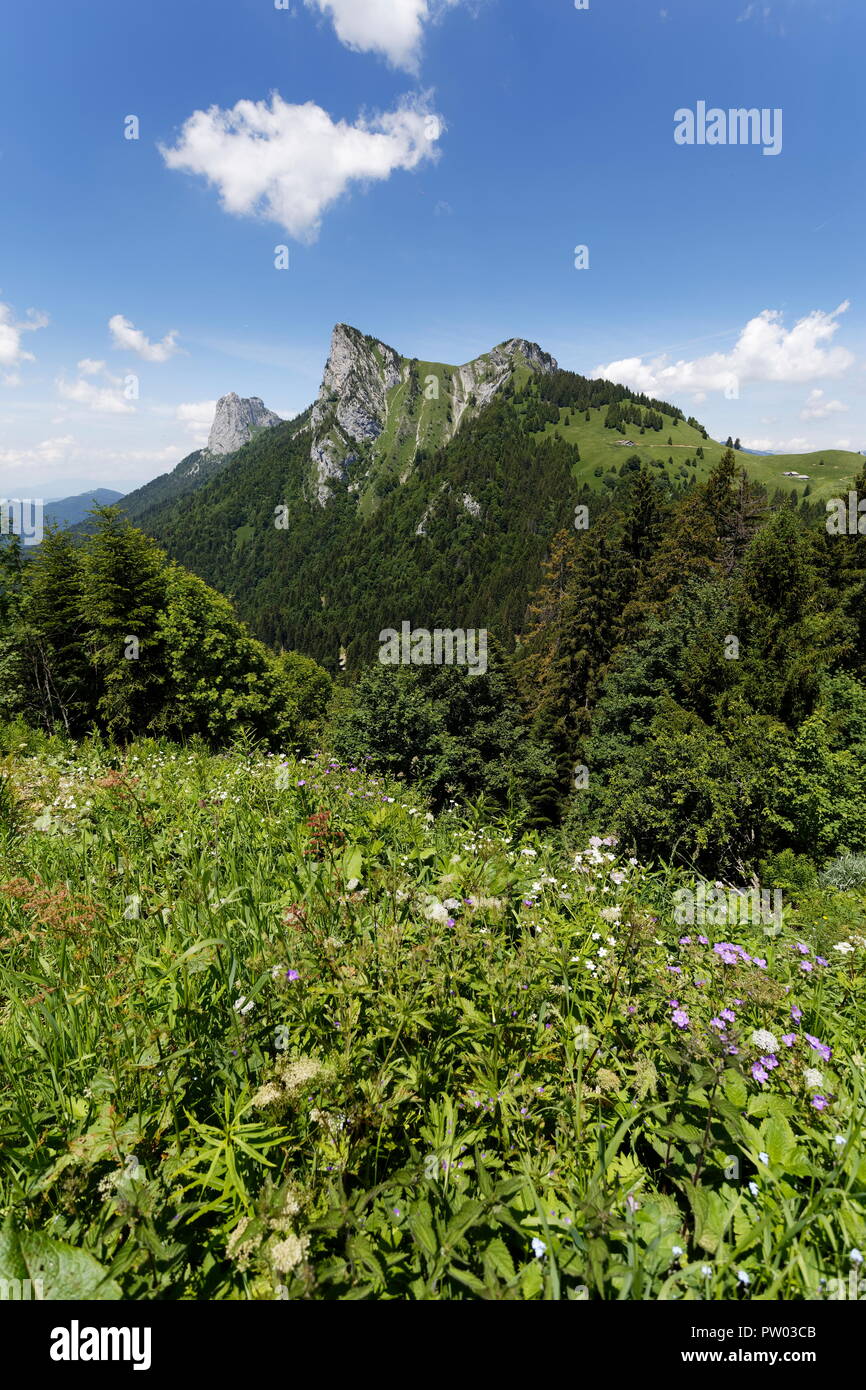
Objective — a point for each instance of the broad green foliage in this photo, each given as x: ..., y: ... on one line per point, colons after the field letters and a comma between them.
x: 272, y: 1029
x: 58, y: 1270
x: 454, y: 734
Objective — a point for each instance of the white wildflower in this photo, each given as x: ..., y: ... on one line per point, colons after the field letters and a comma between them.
x: 435, y: 911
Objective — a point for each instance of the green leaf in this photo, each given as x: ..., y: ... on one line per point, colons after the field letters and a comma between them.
x: 735, y: 1089
x: 711, y: 1217
x: 421, y: 1226
x: 64, y: 1271
x: 497, y: 1257
x: 779, y: 1141
x: 532, y: 1280
x: 459, y: 1224
x: 353, y: 863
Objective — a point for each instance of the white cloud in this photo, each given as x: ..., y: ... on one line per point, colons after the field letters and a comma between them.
x: 11, y: 351
x: 843, y: 444
x: 172, y: 453
x: 197, y: 418
x: 288, y: 163
x: 131, y: 339
x: 108, y: 399
x: 393, y: 28
x: 817, y: 408
x: 779, y: 446
x: 49, y: 451
x: 764, y: 351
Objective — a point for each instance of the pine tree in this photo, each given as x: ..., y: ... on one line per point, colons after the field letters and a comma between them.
x: 64, y: 682
x: 124, y: 594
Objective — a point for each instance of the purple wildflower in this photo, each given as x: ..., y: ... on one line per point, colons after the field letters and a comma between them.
x: 820, y: 1102
x: 680, y: 1018
x: 758, y: 1073
x: 822, y: 1049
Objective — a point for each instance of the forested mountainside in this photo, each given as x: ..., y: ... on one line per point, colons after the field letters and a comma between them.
x: 422, y: 492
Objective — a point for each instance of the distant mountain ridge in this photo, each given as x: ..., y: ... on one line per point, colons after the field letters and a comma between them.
x: 69, y: 511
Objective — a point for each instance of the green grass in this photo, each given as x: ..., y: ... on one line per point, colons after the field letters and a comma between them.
x: 269, y: 1029
x: 599, y: 449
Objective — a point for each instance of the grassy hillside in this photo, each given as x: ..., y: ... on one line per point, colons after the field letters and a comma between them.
x: 830, y: 471
x: 271, y: 1030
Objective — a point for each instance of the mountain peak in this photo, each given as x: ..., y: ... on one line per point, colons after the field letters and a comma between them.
x: 536, y: 357
x: 235, y: 420
x: 375, y: 403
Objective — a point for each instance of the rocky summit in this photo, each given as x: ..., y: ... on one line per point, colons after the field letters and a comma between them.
x: 378, y: 408
x: 236, y: 420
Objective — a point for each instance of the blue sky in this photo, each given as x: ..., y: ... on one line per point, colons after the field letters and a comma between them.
x: 431, y: 166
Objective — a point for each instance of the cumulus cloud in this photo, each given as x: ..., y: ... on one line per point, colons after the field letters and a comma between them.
x: 49, y: 451
x: 288, y: 163
x: 12, y: 352
x: 108, y: 398
x: 764, y: 351
x: 817, y: 408
x: 393, y: 28
x: 196, y: 418
x: 131, y: 339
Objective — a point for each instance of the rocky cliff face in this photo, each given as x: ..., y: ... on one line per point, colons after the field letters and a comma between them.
x: 236, y: 419
x: 352, y: 404
x: 377, y: 408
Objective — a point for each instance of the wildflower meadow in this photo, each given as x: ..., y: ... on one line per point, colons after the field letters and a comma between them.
x: 273, y: 1029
